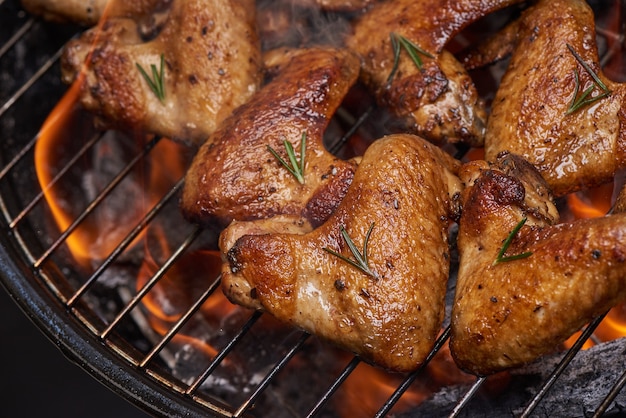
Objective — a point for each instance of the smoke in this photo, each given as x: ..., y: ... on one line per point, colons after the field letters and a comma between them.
x: 296, y: 24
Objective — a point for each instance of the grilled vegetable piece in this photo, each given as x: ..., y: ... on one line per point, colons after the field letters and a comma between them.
x: 212, y: 64
x: 402, y: 193
x: 532, y: 113
x: 236, y: 176
x: 437, y: 99
x: 509, y: 313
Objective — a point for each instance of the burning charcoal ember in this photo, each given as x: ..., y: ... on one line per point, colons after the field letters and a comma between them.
x: 548, y: 277
x: 578, y: 392
x: 407, y: 68
x: 88, y: 13
x: 268, y: 157
x: 387, y: 306
x: 554, y: 105
x: 203, y: 64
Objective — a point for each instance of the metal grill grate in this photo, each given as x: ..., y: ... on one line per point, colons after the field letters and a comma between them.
x: 68, y: 302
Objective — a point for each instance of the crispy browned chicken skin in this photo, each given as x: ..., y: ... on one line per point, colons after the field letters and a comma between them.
x: 235, y: 176
x: 89, y: 12
x: 510, y: 313
x: 440, y: 101
x: 402, y: 190
x: 211, y: 66
x: 530, y: 111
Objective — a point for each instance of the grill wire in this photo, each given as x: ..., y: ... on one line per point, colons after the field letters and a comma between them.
x: 76, y: 303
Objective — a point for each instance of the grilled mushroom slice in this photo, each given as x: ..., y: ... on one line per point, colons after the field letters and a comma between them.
x: 553, y: 278
x: 384, y: 298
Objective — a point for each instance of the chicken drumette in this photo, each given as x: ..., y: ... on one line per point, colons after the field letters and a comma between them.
x: 236, y: 176
x: 550, y: 109
x: 389, y: 311
x: 510, y: 311
x: 439, y: 100
x: 207, y: 59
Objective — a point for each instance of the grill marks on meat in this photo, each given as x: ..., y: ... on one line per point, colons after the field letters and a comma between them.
x: 529, y: 113
x: 511, y: 313
x: 234, y: 175
x: 405, y: 187
x: 212, y: 65
x: 440, y: 101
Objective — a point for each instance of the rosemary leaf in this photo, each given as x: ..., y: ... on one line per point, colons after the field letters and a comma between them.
x: 295, y: 168
x: 360, y: 257
x: 584, y: 99
x: 501, y: 258
x: 156, y: 82
x: 397, y: 43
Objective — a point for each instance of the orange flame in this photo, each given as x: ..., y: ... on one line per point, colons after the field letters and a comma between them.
x: 180, y: 287
x: 595, y: 203
x: 591, y: 203
x: 367, y: 388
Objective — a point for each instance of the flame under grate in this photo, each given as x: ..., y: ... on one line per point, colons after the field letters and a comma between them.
x: 208, y: 358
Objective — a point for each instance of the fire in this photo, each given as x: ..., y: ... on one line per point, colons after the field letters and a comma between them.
x: 95, y: 237
x: 595, y: 203
x: 592, y: 203
x: 180, y: 287
x: 367, y: 389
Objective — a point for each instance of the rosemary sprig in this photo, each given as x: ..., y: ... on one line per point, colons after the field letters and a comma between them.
x: 360, y: 257
x: 156, y: 83
x: 414, y: 51
x: 295, y: 168
x: 500, y: 258
x: 579, y: 101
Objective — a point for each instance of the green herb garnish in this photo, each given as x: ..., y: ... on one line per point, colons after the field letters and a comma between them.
x: 360, y: 257
x: 500, y: 258
x: 579, y: 101
x: 295, y: 168
x: 414, y: 51
x: 155, y: 83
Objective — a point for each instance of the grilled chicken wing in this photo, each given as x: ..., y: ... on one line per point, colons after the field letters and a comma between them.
x: 89, y: 12
x: 531, y: 113
x: 509, y: 313
x: 235, y: 176
x: 401, y: 193
x: 211, y: 65
x: 438, y: 101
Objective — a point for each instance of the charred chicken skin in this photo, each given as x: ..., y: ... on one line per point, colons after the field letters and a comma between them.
x: 396, y: 212
x: 211, y: 64
x: 509, y: 311
x: 534, y: 113
x: 236, y: 176
x: 439, y: 100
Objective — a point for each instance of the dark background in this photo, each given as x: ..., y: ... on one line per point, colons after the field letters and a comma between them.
x: 37, y: 380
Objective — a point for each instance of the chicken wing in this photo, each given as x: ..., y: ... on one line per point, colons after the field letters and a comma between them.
x: 206, y: 58
x: 552, y: 279
x: 390, y: 309
x: 89, y: 12
x: 236, y: 176
x: 550, y: 109
x: 439, y: 100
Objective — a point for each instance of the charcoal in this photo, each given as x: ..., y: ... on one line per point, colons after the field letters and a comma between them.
x: 578, y: 392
